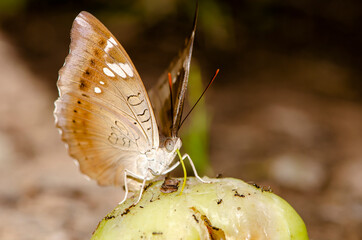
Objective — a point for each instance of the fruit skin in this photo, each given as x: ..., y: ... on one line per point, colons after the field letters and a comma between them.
x: 223, y: 209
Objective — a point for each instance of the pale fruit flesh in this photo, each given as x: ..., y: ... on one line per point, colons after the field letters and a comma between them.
x: 223, y: 209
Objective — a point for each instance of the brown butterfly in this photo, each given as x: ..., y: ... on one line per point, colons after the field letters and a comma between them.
x: 105, y: 115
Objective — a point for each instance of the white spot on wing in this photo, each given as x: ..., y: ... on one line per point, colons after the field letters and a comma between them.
x: 117, y: 69
x: 111, y: 39
x: 108, y: 72
x: 127, y: 69
x: 110, y: 43
x: 109, y: 46
x: 101, y: 82
x: 81, y: 22
x: 97, y: 90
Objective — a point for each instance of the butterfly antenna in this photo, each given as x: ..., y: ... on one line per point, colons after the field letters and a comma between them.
x: 207, y: 87
x: 170, y: 85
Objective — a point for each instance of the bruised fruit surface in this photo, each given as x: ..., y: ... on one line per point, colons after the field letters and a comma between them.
x: 223, y: 209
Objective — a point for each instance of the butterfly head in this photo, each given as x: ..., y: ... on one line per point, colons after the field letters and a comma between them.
x: 164, y: 156
x: 169, y: 147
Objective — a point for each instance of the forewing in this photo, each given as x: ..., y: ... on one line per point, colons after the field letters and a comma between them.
x: 160, y: 94
x: 103, y: 111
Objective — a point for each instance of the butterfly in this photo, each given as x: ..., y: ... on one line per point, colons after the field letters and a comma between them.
x: 105, y: 116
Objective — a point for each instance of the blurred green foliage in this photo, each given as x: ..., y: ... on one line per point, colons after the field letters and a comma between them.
x: 11, y: 7
x: 196, y: 135
x: 217, y: 25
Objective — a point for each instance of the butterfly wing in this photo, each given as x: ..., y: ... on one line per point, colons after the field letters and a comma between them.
x: 169, y: 124
x: 103, y: 112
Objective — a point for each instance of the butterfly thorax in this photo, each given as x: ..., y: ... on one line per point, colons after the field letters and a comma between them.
x: 159, y: 160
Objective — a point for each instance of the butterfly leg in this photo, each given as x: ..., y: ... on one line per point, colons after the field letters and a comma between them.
x: 125, y: 188
x: 129, y: 173
x: 141, y: 191
x: 193, y: 168
x: 171, y: 168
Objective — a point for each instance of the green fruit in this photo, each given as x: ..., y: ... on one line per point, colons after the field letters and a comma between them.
x: 223, y: 209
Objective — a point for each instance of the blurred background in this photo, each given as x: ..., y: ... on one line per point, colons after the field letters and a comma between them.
x: 285, y: 110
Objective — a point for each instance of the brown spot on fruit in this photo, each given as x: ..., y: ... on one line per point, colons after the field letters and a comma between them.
x: 109, y: 217
x: 147, y: 186
x: 170, y: 185
x: 127, y: 210
x: 215, y: 233
x: 238, y: 194
x: 197, y: 220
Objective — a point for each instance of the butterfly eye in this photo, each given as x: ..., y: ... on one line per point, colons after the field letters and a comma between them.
x: 169, y: 144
